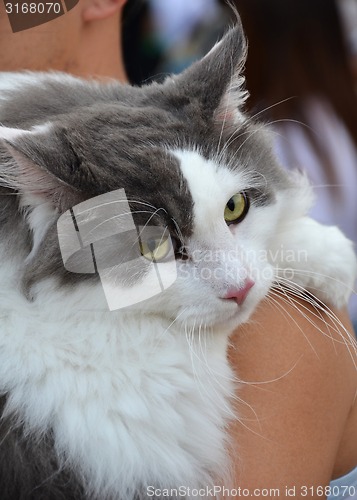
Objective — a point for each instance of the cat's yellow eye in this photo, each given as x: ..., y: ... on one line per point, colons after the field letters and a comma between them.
x: 155, y: 249
x: 236, y: 208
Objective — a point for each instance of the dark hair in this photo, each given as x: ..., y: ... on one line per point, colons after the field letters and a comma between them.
x: 141, y: 53
x: 297, y: 49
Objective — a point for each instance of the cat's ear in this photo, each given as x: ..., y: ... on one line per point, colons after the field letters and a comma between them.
x: 216, y: 80
x: 31, y: 164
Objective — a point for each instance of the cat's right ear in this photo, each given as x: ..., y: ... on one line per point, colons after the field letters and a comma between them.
x: 216, y: 81
x: 24, y: 170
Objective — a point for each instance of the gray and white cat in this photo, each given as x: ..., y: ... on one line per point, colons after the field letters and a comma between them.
x: 102, y: 404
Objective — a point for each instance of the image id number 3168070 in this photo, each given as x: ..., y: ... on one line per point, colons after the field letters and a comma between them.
x: 33, y: 8
x: 337, y: 491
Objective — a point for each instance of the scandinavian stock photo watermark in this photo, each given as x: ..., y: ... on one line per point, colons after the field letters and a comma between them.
x: 136, y: 262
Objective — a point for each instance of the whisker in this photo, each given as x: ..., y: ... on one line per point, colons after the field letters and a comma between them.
x: 111, y: 202
x: 252, y: 117
x: 171, y: 324
x: 181, y: 238
x: 118, y: 216
x: 305, y: 272
x: 291, y: 302
x: 320, y: 309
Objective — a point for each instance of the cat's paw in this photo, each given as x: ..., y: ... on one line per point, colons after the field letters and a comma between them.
x: 335, y: 268
x: 326, y: 265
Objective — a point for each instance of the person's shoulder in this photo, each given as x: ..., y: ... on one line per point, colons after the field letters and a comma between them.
x: 288, y: 332
x: 299, y: 379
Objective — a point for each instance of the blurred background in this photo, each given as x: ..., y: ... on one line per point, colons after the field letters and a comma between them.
x: 301, y: 75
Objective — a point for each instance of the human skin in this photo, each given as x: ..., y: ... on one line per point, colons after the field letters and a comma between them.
x: 298, y: 422
x: 86, y: 41
x: 297, y: 406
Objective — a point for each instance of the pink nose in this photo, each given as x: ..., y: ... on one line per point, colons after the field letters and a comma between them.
x: 239, y: 294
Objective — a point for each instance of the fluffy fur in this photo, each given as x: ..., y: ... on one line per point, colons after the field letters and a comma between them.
x: 100, y: 404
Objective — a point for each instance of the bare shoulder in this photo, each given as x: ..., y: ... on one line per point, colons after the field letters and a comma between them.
x: 297, y: 409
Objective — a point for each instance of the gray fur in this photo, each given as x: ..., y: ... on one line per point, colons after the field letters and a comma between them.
x: 103, y: 137
x: 29, y: 467
x: 112, y: 136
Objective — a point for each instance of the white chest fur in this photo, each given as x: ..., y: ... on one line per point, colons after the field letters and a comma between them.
x: 132, y: 401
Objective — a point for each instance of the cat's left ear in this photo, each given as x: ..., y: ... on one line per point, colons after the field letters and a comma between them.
x: 216, y: 81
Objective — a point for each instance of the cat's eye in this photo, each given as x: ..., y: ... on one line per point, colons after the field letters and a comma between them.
x: 236, y: 208
x: 155, y: 249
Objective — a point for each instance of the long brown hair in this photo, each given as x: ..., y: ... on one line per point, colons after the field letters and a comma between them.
x: 297, y: 49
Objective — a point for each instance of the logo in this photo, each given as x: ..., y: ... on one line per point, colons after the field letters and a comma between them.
x: 134, y: 263
x: 26, y: 15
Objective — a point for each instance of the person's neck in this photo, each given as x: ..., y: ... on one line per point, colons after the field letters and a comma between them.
x: 92, y: 52
x: 100, y: 56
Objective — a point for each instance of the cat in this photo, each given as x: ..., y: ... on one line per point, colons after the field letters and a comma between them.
x: 104, y: 402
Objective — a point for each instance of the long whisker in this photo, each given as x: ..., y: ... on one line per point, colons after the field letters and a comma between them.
x: 209, y: 380
x: 291, y: 302
x: 294, y: 287
x: 306, y: 272
x: 111, y: 202
x: 180, y: 235
x: 252, y: 117
x: 320, y: 309
x: 117, y: 217
x: 171, y: 324
x: 336, y: 327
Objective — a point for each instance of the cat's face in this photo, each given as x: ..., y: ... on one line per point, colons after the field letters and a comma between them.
x: 188, y: 161
x: 225, y: 269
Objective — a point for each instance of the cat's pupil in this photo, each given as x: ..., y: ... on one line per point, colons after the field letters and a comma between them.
x: 151, y: 243
x: 231, y: 205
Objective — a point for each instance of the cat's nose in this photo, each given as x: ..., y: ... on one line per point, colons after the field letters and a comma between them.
x: 239, y: 294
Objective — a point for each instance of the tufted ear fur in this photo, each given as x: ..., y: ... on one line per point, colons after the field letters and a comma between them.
x: 217, y: 81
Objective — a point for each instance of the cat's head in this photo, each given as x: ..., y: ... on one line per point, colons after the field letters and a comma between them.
x: 182, y: 154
